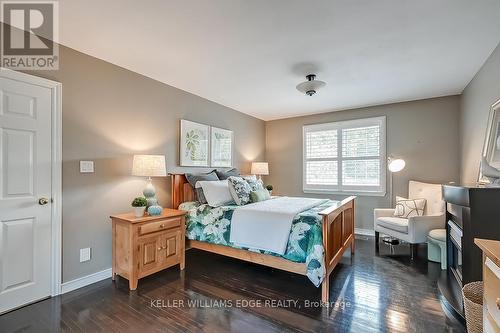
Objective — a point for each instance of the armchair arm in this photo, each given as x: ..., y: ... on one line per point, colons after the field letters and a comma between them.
x: 382, y: 212
x: 419, y: 226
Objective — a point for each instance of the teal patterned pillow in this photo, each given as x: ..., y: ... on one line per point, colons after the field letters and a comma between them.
x: 255, y: 184
x: 240, y: 190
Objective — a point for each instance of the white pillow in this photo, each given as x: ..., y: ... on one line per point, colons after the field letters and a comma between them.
x: 216, y: 192
x: 406, y: 208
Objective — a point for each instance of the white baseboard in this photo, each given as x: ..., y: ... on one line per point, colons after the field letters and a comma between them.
x: 364, y: 232
x: 85, y: 280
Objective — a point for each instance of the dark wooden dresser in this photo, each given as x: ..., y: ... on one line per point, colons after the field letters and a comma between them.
x: 471, y: 212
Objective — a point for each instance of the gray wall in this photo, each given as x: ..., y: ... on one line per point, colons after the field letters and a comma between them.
x: 476, y: 101
x: 109, y: 114
x: 424, y: 133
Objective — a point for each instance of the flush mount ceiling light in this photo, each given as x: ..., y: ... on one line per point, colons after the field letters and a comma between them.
x: 310, y: 86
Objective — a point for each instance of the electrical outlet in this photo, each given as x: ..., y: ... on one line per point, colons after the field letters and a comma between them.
x: 85, y: 254
x: 86, y: 166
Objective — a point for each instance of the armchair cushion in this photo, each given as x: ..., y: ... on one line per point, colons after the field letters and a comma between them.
x: 431, y: 192
x: 407, y: 208
x: 394, y: 223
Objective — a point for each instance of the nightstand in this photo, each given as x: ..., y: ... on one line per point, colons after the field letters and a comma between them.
x: 145, y: 245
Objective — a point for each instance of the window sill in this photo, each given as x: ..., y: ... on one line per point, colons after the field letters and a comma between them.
x: 358, y: 193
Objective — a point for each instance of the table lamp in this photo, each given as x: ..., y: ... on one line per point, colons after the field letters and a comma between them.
x: 150, y: 166
x: 260, y: 169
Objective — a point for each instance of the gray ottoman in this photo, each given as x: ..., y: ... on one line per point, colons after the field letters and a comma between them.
x: 436, y: 246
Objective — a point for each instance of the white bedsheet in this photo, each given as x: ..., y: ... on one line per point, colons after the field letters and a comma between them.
x: 266, y: 225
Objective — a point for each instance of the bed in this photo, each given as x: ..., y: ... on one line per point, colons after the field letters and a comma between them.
x: 328, y: 230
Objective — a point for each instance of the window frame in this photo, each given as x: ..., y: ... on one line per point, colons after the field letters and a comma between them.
x: 340, y: 188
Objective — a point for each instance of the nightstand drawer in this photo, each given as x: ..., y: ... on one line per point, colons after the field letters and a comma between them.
x: 159, y: 226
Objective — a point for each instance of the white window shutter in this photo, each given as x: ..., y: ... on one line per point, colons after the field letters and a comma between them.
x: 347, y: 156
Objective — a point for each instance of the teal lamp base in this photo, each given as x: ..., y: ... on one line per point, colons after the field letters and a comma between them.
x: 150, y: 194
x: 155, y: 210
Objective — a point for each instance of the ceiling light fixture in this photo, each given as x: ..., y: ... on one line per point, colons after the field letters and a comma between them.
x: 310, y: 86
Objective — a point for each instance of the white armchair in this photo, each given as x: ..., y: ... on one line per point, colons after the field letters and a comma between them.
x: 413, y: 230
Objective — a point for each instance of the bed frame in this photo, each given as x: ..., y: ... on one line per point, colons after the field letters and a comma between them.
x: 338, y: 236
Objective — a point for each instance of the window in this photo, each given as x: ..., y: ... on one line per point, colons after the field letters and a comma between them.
x: 345, y: 156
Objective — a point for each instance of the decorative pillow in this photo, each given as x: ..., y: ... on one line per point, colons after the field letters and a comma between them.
x: 406, y: 208
x: 240, y: 190
x: 249, y: 177
x: 255, y: 184
x: 226, y: 174
x: 193, y: 178
x: 216, y: 192
x: 259, y: 195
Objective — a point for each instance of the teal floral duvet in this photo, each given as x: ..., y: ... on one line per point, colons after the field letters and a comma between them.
x: 305, y: 245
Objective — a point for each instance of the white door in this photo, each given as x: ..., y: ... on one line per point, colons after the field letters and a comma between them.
x: 25, y: 182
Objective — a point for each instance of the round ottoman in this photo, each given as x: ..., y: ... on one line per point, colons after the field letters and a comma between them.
x: 436, y: 246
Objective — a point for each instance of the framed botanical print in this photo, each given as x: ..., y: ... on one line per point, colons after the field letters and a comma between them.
x: 491, y: 148
x: 221, y: 148
x: 194, y: 144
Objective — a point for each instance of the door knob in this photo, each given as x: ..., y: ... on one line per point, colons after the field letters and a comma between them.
x: 43, y: 201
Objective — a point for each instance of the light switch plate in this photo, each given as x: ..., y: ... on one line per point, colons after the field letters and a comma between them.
x: 85, y: 254
x: 86, y: 166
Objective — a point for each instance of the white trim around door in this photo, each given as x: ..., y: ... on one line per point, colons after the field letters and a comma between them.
x: 56, y: 214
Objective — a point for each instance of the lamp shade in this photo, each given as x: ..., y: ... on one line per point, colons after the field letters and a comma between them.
x: 149, y: 166
x: 260, y: 168
x: 396, y: 165
x: 310, y: 86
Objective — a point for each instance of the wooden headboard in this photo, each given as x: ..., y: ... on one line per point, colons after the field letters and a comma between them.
x: 182, y: 191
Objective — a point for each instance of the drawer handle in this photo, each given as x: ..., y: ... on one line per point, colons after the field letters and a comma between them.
x: 162, y: 248
x: 162, y: 226
x: 498, y: 303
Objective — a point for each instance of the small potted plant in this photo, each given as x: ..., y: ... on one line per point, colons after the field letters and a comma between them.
x: 139, y: 205
x: 270, y: 189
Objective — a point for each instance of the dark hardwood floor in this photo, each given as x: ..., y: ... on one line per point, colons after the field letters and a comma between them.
x: 373, y: 293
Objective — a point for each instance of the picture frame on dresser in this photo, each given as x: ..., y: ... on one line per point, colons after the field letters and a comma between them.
x: 491, y: 147
x: 221, y: 147
x: 194, y: 144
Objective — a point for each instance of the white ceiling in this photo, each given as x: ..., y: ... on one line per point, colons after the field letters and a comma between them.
x: 250, y: 54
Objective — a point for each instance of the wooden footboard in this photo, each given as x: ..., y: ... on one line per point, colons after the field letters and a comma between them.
x: 250, y: 256
x: 338, y: 236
